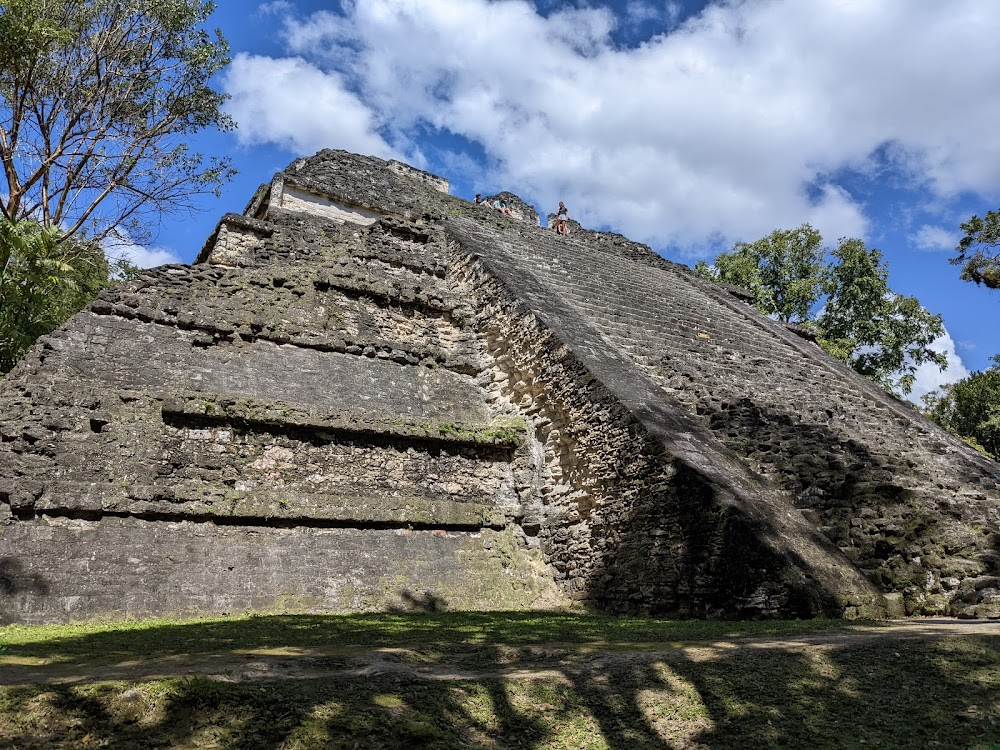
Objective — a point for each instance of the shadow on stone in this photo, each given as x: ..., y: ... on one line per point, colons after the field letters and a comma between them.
x: 14, y: 580
x: 419, y: 602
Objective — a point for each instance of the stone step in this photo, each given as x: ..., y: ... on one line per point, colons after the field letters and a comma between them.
x: 274, y: 507
x: 170, y: 359
x: 198, y: 407
x: 456, y: 351
x: 69, y: 570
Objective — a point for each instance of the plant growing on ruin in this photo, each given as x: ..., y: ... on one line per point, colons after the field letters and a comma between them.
x: 97, y: 98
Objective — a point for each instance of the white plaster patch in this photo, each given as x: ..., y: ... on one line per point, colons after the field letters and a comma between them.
x: 293, y: 199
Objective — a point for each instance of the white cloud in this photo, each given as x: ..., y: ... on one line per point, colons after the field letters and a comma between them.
x: 640, y: 11
x: 119, y: 246
x: 725, y: 128
x: 929, y: 377
x: 122, y: 248
x: 674, y: 11
x: 275, y: 8
x: 294, y: 104
x: 935, y: 238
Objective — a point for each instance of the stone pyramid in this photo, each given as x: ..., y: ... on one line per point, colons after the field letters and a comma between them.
x: 369, y: 394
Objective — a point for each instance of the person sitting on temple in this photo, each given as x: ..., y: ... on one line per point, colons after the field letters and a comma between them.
x: 562, y: 219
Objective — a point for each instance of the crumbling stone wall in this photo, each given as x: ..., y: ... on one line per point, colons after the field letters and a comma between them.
x: 634, y: 517
x: 297, y: 424
x: 439, y: 406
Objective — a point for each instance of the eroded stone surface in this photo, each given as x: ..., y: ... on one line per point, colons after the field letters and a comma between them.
x: 433, y: 405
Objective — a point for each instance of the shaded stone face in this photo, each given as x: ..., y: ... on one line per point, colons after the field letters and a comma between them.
x: 369, y: 394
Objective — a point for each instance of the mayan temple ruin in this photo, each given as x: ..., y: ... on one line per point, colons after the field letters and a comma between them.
x: 368, y: 394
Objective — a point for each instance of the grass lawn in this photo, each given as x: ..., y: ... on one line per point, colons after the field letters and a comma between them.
x: 494, y: 680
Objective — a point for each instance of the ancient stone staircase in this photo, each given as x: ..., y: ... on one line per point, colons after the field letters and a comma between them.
x: 853, y: 459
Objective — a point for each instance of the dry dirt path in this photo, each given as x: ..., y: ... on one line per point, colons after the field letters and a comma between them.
x: 454, y: 661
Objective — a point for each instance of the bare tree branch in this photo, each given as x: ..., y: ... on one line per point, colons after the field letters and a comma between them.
x: 97, y: 98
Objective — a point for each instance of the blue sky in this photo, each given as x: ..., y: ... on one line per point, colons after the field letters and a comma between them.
x: 687, y: 125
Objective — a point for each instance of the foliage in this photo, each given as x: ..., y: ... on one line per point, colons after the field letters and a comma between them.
x: 42, y: 283
x: 882, y: 335
x: 96, y: 100
x: 783, y: 270
x: 846, y: 301
x: 979, y: 250
x: 970, y: 409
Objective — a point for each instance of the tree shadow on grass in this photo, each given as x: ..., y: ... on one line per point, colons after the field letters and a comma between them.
x: 886, y: 693
x: 463, y: 684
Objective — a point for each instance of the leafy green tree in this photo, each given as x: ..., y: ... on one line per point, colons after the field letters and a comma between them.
x: 783, y: 270
x: 97, y: 99
x: 883, y: 335
x: 42, y: 283
x: 970, y: 409
x: 979, y: 250
x: 845, y: 300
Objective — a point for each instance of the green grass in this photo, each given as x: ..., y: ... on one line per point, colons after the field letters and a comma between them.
x: 506, y: 681
x: 149, y: 638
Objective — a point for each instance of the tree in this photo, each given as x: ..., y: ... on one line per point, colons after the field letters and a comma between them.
x: 970, y: 409
x: 846, y: 301
x: 42, y: 283
x: 883, y: 335
x: 97, y: 98
x: 979, y: 250
x: 783, y: 270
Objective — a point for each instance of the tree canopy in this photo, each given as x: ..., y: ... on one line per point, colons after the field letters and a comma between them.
x: 970, y: 409
x: 42, y: 283
x: 843, y: 296
x: 97, y: 98
x: 782, y: 270
x: 979, y: 250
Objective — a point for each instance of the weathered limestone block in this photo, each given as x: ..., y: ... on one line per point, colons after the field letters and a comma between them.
x: 235, y: 245
x: 296, y: 199
x: 73, y: 569
x: 431, y: 180
x: 166, y: 359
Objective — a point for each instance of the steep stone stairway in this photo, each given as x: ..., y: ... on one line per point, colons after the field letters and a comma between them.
x: 853, y: 459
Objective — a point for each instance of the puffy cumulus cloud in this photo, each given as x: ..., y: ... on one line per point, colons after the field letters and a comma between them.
x: 292, y: 103
x: 723, y: 127
x: 932, y: 238
x: 120, y: 246
x: 148, y: 257
x: 929, y: 377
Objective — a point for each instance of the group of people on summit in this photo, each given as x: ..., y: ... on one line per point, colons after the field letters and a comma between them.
x: 498, y: 203
x: 562, y: 215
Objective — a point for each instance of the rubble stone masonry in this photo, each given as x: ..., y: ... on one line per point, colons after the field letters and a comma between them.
x: 370, y: 394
